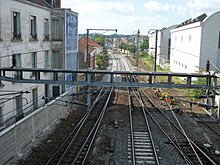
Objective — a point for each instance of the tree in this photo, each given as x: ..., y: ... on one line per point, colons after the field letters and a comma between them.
x: 123, y: 46
x: 144, y: 45
x: 132, y: 48
x: 100, y: 39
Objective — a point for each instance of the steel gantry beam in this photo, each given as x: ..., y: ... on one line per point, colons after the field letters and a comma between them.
x: 88, y: 78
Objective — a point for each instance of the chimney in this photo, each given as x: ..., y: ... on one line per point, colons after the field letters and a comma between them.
x: 57, y: 3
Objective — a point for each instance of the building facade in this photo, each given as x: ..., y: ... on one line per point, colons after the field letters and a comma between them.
x: 30, y: 37
x: 164, y: 46
x: 195, y: 41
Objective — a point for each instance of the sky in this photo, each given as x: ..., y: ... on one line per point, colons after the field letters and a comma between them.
x: 130, y: 15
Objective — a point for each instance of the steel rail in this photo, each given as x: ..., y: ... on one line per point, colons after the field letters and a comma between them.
x: 201, y: 151
x: 142, y: 104
x: 148, y: 126
x: 97, y: 127
x: 80, y: 122
x: 131, y: 128
x: 67, y: 149
x: 164, y: 132
x: 149, y: 130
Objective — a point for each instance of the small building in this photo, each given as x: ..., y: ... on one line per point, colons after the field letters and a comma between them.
x: 141, y: 39
x: 195, y: 41
x: 93, y: 49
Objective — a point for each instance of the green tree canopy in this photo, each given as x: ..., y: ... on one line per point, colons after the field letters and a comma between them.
x: 144, y: 45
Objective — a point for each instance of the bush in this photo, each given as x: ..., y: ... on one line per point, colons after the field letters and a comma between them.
x: 99, y: 60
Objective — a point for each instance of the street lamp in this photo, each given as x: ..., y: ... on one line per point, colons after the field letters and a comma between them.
x: 155, y: 52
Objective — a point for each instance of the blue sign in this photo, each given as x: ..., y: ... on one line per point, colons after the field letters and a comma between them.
x: 71, y: 43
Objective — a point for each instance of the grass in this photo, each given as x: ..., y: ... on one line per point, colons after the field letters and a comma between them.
x: 149, y: 63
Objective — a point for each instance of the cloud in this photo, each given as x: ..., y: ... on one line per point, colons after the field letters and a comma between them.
x: 194, y: 7
x: 101, y: 13
x: 156, y: 6
x: 197, y: 7
x: 123, y: 8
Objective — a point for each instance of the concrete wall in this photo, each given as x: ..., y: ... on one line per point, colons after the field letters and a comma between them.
x: 152, y: 38
x: 21, y: 136
x: 210, y: 39
x: 185, y: 48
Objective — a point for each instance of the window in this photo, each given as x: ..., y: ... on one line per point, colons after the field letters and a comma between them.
x: 46, y: 29
x: 46, y: 59
x: 56, y: 91
x: 190, y: 38
x: 1, y: 116
x: 169, y: 44
x: 46, y: 93
x: 34, y: 98
x: 19, y: 110
x: 34, y: 59
x: 33, y: 27
x: 16, y: 60
x: 219, y: 40
x: 55, y: 29
x: 56, y: 62
x: 16, y: 63
x: 16, y: 26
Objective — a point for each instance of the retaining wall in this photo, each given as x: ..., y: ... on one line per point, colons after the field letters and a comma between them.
x: 21, y: 136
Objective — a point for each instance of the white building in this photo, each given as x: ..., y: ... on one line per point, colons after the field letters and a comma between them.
x: 193, y: 42
x: 163, y: 46
x: 152, y: 43
x: 33, y: 36
x: 25, y: 33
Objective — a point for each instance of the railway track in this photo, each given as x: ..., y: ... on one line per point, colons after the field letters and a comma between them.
x: 191, y: 152
x: 141, y: 148
x: 76, y: 147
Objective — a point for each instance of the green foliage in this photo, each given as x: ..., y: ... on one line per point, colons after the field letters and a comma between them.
x: 132, y: 48
x: 144, y: 45
x: 99, y: 60
x: 100, y: 38
x: 123, y: 46
x: 197, y: 92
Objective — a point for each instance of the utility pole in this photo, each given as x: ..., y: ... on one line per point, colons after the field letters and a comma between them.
x: 88, y: 65
x: 137, y: 48
x: 87, y: 49
x: 155, y: 55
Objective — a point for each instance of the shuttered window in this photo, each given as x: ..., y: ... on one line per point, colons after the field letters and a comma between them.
x: 16, y: 26
x: 34, y: 27
x: 46, y: 29
x: 56, y: 60
x: 34, y: 59
x: 56, y: 30
x: 46, y: 59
